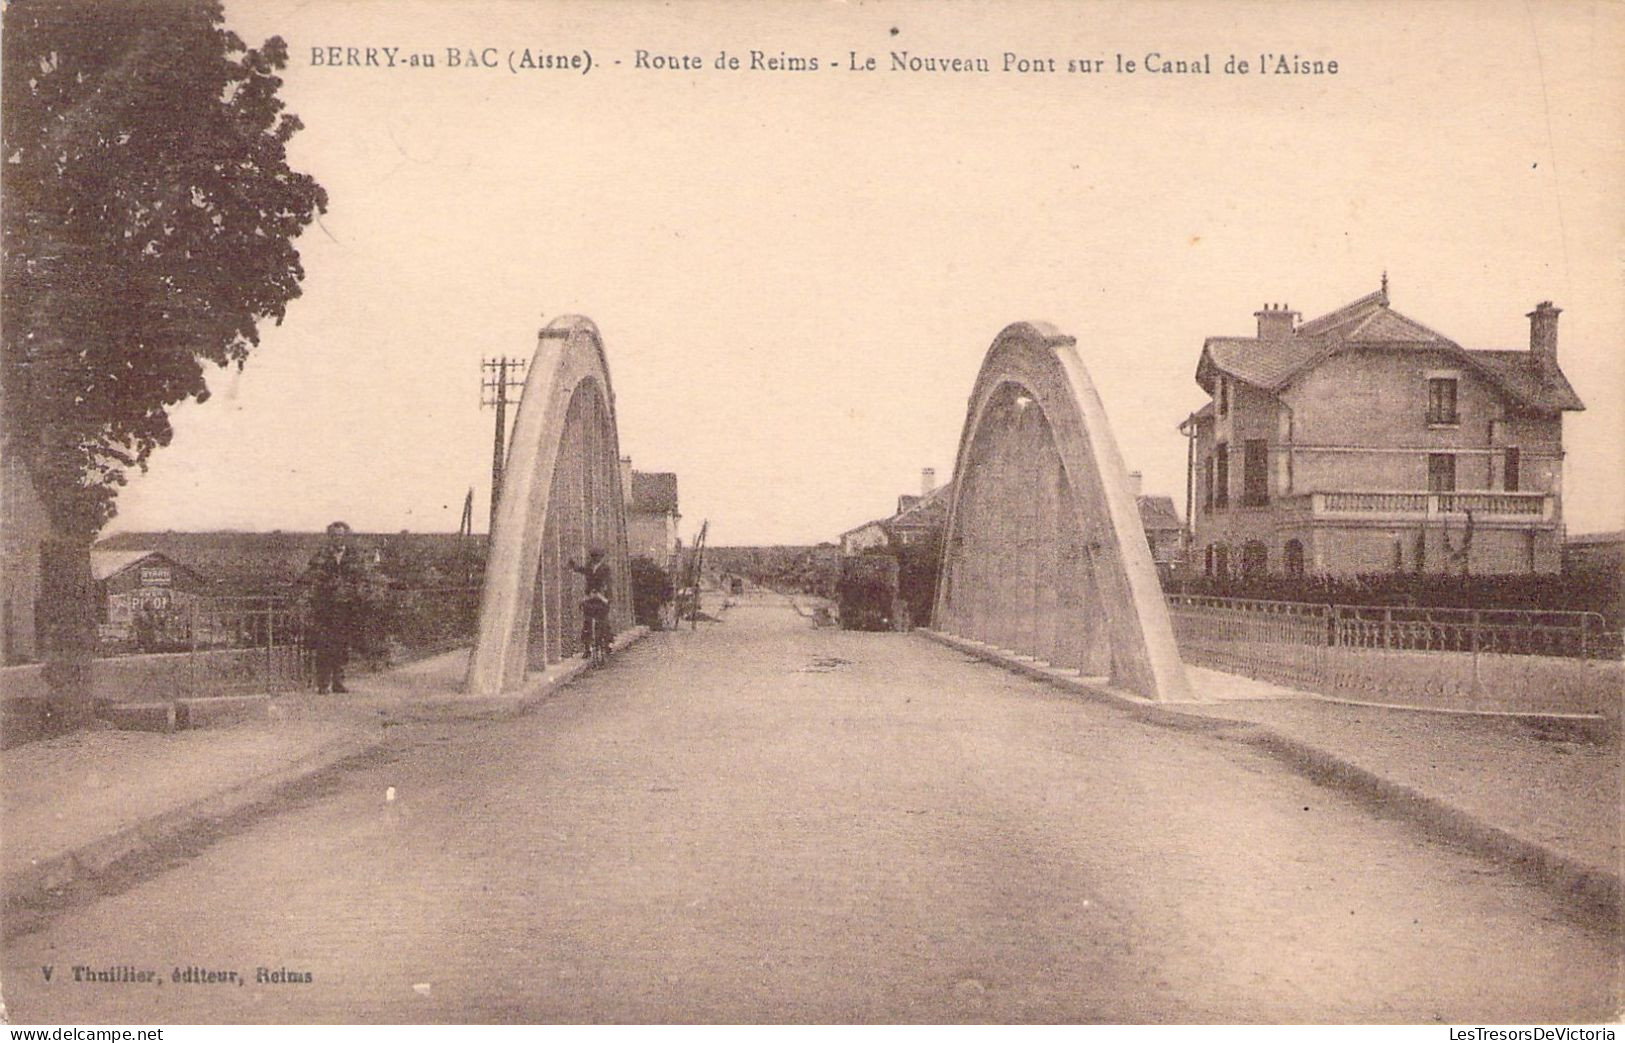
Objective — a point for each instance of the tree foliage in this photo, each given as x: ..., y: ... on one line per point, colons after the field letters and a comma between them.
x: 149, y: 219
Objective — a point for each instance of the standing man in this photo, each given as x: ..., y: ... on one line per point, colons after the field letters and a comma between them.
x: 333, y: 597
x: 595, y: 604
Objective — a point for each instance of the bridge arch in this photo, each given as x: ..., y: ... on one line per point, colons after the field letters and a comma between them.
x: 561, y: 496
x: 1045, y: 553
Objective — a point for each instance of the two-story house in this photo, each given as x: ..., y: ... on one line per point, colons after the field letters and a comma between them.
x: 1363, y: 442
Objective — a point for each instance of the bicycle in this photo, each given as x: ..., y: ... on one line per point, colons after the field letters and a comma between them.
x: 598, y: 641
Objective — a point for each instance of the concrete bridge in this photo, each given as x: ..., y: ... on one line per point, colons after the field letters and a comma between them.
x: 1045, y: 554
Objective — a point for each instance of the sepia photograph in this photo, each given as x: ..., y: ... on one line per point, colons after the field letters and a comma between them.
x: 812, y: 512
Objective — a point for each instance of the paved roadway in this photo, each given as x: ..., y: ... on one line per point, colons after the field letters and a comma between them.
x: 766, y: 822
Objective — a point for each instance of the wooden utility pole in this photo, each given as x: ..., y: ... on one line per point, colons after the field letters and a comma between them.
x: 466, y: 526
x: 697, y: 559
x: 497, y: 378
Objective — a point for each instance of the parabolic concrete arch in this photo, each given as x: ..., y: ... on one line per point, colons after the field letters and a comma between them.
x: 1045, y: 554
x: 561, y: 496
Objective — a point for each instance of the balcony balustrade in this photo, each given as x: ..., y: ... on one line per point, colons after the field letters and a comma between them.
x: 1486, y: 506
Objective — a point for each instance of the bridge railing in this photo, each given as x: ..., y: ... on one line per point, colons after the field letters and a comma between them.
x: 1473, y: 659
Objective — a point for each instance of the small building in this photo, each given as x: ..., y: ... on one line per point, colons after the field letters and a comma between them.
x: 1163, y: 531
x: 142, y: 591
x: 652, y: 514
x: 923, y: 519
x: 914, y: 521
x: 1364, y: 442
x: 868, y: 536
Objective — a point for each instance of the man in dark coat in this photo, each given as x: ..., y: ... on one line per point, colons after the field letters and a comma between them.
x: 334, y: 594
x: 595, y: 605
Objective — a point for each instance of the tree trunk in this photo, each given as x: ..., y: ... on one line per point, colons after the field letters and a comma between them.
x: 67, y: 625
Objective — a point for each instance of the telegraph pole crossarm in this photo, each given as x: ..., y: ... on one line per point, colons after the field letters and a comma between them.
x: 502, y: 380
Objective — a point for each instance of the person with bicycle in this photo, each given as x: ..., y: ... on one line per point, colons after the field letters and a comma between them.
x: 595, y: 603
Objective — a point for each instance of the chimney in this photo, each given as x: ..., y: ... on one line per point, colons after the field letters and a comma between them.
x: 928, y: 480
x: 1276, y: 321
x: 1136, y: 481
x: 1543, y: 337
x: 626, y: 479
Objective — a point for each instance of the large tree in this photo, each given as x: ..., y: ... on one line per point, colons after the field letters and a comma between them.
x: 149, y: 214
x: 149, y: 219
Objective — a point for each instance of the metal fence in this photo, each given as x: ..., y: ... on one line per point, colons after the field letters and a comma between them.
x: 224, y: 645
x: 245, y: 644
x: 206, y: 646
x: 1500, y: 659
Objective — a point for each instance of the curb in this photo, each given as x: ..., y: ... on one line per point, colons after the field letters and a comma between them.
x: 1593, y: 890
x: 96, y: 858
x: 510, y: 704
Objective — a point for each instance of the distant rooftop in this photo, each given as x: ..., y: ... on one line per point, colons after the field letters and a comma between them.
x: 654, y: 492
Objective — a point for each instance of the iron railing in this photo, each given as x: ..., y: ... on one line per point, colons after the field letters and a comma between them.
x: 1463, y: 658
x: 244, y: 644
x: 203, y: 645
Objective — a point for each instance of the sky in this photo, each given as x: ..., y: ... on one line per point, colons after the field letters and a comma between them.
x: 797, y: 274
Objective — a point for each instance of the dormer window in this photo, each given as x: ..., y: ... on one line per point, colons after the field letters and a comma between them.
x: 1442, y: 399
x: 1224, y: 397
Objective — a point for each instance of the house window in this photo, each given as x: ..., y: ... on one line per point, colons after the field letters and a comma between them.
x: 1221, y: 560
x: 1207, y: 560
x: 1224, y: 397
x: 1441, y: 473
x: 1513, y: 462
x: 1442, y: 401
x: 1255, y: 475
x: 1294, y: 557
x: 1207, y: 484
x: 1221, y: 476
x: 1255, y: 559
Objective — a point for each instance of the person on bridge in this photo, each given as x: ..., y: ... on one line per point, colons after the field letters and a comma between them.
x: 334, y: 597
x: 595, y: 604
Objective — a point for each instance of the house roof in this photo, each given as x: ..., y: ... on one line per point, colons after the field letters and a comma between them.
x: 877, y: 523
x: 1201, y: 416
x: 1369, y: 323
x: 245, y: 560
x: 1514, y: 371
x: 926, y: 511
x: 654, y: 492
x: 265, y: 561
x: 104, y: 564
x: 917, y: 512
x: 1157, y: 512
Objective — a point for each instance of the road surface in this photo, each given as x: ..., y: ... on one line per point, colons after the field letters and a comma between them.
x: 766, y: 822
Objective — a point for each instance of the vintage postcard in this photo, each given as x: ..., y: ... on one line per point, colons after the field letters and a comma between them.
x: 812, y: 512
